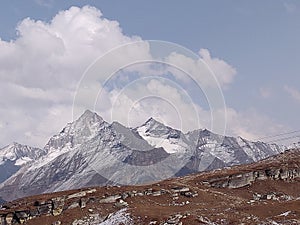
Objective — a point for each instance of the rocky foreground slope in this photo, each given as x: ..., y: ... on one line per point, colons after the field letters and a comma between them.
x: 90, y: 151
x: 266, y: 192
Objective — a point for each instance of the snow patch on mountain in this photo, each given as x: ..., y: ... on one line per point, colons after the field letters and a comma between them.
x: 169, y: 145
x: 23, y: 160
x: 86, y: 127
x: 20, y: 154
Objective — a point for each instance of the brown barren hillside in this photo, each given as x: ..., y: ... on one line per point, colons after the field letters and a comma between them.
x: 267, y: 192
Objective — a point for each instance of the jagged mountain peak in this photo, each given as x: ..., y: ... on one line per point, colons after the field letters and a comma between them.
x: 88, y: 120
x: 154, y: 127
x: 12, y: 145
x: 89, y: 114
x: 87, y: 126
x: 151, y: 122
x: 159, y: 135
x: 19, y: 154
x: 116, y: 123
x: 18, y: 148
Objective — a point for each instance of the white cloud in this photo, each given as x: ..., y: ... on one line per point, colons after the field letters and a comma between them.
x: 210, y: 70
x: 293, y: 92
x: 223, y: 71
x: 40, y: 71
x: 252, y: 125
x: 157, y: 98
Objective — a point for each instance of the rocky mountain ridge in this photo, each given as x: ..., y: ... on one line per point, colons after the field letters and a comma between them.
x: 90, y: 151
x: 14, y: 156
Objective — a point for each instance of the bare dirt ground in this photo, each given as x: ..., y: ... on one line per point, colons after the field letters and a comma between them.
x: 268, y: 201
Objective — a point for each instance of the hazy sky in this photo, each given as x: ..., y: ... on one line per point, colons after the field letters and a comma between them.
x: 253, y: 47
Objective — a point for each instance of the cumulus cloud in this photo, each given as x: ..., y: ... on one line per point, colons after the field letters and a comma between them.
x: 251, y: 124
x: 209, y: 70
x: 40, y: 71
x: 55, y: 54
x: 223, y: 71
x: 158, y: 98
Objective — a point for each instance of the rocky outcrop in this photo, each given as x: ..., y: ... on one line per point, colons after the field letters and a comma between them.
x: 53, y: 207
x: 244, y: 179
x: 12, y: 214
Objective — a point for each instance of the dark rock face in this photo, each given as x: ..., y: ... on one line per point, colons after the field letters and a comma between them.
x: 7, y: 170
x: 146, y: 158
x: 2, y: 201
x: 185, y: 171
x: 216, y: 163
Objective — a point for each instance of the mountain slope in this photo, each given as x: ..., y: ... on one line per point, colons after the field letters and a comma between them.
x: 14, y: 156
x: 265, y: 192
x: 90, y: 151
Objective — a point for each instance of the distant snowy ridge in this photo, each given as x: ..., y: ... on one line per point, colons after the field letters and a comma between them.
x: 15, y: 156
x: 20, y: 154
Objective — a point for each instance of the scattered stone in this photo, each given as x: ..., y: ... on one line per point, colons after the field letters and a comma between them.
x: 110, y: 199
x: 9, y: 218
x: 58, y: 205
x: 174, y: 219
x: 73, y: 205
x: 187, y: 194
x: 82, y: 203
x: 22, y: 216
x: 44, y: 209
x: 91, y: 191
x: 180, y: 189
x: 121, y: 203
x: 77, y: 195
x: 124, y: 195
x: 34, y: 213
x: 156, y: 193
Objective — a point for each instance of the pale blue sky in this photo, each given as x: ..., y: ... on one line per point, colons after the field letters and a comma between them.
x: 260, y: 39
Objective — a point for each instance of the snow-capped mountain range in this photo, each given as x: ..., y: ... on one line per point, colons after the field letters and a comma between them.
x: 14, y: 156
x: 90, y: 151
